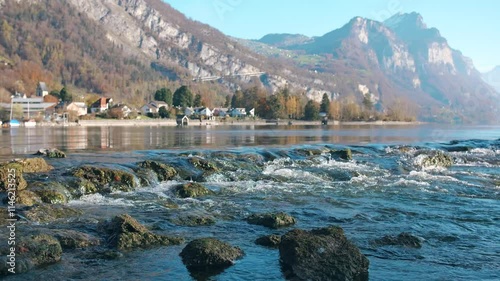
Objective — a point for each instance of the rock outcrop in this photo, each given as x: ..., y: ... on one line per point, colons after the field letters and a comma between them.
x: 206, y: 253
x: 321, y: 254
x: 191, y: 190
x: 272, y: 220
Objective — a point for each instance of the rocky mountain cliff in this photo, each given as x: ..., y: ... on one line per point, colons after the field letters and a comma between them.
x: 493, y: 78
x: 400, y: 57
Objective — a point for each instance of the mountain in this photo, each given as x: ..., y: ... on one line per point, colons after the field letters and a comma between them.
x: 493, y: 78
x: 127, y: 49
x: 398, y: 58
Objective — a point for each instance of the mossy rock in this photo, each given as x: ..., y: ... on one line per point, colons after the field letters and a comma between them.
x: 344, y: 154
x: 47, y: 213
x: 14, y: 173
x: 321, y: 254
x: 125, y: 233
x: 163, y: 171
x: 272, y: 220
x: 310, y: 151
x: 106, y: 180
x: 194, y: 220
x: 51, y: 153
x: 34, y: 165
x: 204, y: 253
x: 27, y: 198
x: 203, y: 164
x: 71, y: 239
x: 51, y: 192
x: 191, y: 190
x: 271, y: 241
x: 33, y: 251
x: 438, y: 159
x: 79, y: 187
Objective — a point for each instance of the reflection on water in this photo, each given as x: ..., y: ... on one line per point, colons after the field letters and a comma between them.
x: 18, y: 141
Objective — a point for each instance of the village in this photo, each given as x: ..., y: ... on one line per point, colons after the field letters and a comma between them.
x: 44, y: 109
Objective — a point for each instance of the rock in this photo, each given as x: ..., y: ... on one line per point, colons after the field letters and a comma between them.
x: 71, y: 239
x: 127, y: 233
x: 345, y: 154
x: 194, y: 220
x: 162, y: 171
x: 321, y: 254
x: 12, y: 174
x: 47, y: 213
x: 310, y: 151
x: 191, y: 189
x: 33, y: 251
x: 103, y: 254
x: 204, y: 164
x: 438, y: 159
x: 403, y: 239
x: 271, y: 220
x: 51, y: 153
x: 206, y: 253
x: 27, y: 198
x: 272, y: 241
x: 79, y: 187
x: 34, y: 165
x: 105, y: 179
x: 51, y: 192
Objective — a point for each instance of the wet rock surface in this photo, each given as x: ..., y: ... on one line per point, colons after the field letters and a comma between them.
x: 12, y: 173
x: 271, y: 241
x: 105, y: 179
x: 163, y: 171
x: 209, y: 253
x: 51, y: 153
x: 191, y: 190
x: 271, y: 220
x: 48, y: 213
x: 125, y: 233
x: 321, y: 254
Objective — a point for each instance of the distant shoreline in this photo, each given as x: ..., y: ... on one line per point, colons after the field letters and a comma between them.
x: 195, y: 122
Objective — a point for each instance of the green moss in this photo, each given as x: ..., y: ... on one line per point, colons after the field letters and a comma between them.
x: 271, y: 220
x: 52, y: 196
x: 34, y: 165
x: 14, y: 173
x: 106, y: 179
x: 27, y: 198
x: 162, y: 171
x: 203, y: 164
x: 192, y: 190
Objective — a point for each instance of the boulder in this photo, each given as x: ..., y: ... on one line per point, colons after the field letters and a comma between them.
x: 194, y: 220
x: 47, y: 213
x: 321, y: 254
x: 191, y: 190
x: 163, y: 171
x: 27, y: 198
x: 71, y: 239
x: 206, y: 253
x: 124, y: 232
x: 204, y: 164
x: 437, y: 159
x: 34, y: 165
x: 105, y: 179
x: 271, y: 241
x: 272, y: 220
x: 11, y: 176
x: 33, y: 251
x: 51, y: 153
x: 344, y: 154
x: 404, y: 239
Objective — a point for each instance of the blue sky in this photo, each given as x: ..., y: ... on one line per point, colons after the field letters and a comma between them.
x: 472, y: 27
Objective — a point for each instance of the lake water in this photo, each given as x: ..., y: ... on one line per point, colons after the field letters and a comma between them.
x: 384, y: 190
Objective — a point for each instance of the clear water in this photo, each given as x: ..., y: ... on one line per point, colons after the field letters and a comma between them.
x: 383, y: 191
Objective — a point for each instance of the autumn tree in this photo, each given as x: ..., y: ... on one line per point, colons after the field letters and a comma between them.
x: 183, y: 97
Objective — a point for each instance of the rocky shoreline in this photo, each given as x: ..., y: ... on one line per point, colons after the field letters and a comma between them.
x: 50, y: 226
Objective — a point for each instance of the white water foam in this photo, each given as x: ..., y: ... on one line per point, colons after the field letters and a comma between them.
x: 99, y: 199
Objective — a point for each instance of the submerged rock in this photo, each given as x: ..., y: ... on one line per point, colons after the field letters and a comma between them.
x: 191, y: 189
x: 51, y: 192
x: 438, y: 159
x: 403, y: 239
x: 272, y: 241
x: 206, y: 253
x: 34, y: 165
x: 124, y: 232
x: 194, y: 220
x: 344, y: 154
x: 11, y: 177
x: 204, y: 164
x: 71, y: 239
x: 47, y: 213
x: 321, y: 254
x: 105, y: 179
x: 271, y: 220
x: 33, y: 251
x: 163, y: 171
x: 51, y: 153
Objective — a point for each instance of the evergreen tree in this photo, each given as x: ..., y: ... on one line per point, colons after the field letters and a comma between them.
x: 227, y: 103
x: 325, y: 104
x: 165, y: 95
x: 311, y: 111
x: 197, y: 100
x: 64, y: 95
x: 163, y: 112
x: 183, y: 97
